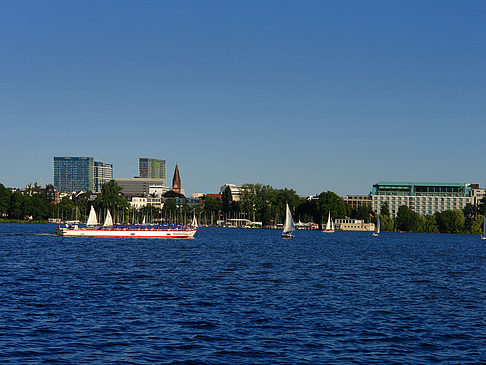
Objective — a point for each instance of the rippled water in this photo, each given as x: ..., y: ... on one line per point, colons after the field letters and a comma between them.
x: 241, y: 296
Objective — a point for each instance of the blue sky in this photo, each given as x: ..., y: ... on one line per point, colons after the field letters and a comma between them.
x: 309, y: 95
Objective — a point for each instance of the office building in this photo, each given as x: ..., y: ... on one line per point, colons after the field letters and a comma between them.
x: 73, y: 174
x: 80, y: 174
x: 235, y: 191
x: 137, y: 186
x: 356, y: 201
x: 103, y: 173
x: 477, y: 194
x: 423, y: 198
x: 151, y: 168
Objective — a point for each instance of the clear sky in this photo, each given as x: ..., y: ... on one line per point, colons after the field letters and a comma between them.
x: 309, y: 95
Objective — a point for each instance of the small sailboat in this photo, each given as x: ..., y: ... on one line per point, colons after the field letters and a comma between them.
x: 377, y: 232
x: 194, y: 221
x: 483, y: 236
x: 92, y: 220
x: 108, y: 220
x: 289, y: 225
x: 329, y: 225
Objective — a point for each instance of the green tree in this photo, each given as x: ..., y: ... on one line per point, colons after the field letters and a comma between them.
x: 331, y: 202
x: 5, y: 196
x: 17, y: 205
x: 477, y: 225
x: 364, y: 212
x: 385, y: 209
x: 386, y: 223
x: 450, y: 221
x: 408, y: 220
x: 431, y: 224
x: 226, y: 199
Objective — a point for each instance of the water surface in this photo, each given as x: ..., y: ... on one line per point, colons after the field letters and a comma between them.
x: 241, y: 296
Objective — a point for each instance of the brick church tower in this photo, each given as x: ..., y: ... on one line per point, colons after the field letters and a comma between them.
x: 176, y: 181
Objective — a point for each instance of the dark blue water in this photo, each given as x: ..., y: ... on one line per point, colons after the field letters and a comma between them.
x: 242, y: 297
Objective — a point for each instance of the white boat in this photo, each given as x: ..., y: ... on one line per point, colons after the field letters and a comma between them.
x: 289, y: 225
x: 152, y: 232
x: 329, y: 225
x: 483, y: 236
x: 92, y: 229
x: 377, y: 232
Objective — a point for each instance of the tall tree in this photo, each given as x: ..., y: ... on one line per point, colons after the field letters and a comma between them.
x: 331, y: 202
x: 226, y: 199
x: 385, y: 209
x: 5, y: 196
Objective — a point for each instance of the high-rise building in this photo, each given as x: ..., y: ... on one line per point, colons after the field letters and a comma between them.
x: 73, y: 174
x: 103, y: 173
x: 80, y: 174
x: 422, y: 198
x: 152, y: 168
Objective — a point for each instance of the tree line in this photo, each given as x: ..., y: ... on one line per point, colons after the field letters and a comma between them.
x: 257, y: 202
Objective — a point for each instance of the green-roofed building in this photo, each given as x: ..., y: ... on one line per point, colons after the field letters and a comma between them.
x: 423, y: 198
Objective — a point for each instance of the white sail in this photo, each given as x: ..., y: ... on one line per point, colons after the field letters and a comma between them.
x: 332, y: 225
x: 194, y: 221
x: 289, y: 225
x: 378, y: 225
x: 108, y: 220
x: 92, y: 220
x: 143, y: 221
x: 328, y: 224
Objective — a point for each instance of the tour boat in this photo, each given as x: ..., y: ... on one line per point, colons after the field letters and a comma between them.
x: 329, y: 225
x: 92, y: 229
x: 377, y: 232
x: 289, y: 225
x: 483, y: 236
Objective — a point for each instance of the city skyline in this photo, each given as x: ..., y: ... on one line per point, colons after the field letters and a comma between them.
x: 311, y: 96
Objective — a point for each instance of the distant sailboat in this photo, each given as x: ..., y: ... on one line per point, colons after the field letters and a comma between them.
x: 143, y: 221
x: 377, y: 232
x: 92, y: 220
x: 289, y: 225
x: 329, y: 225
x: 108, y: 220
x: 194, y: 221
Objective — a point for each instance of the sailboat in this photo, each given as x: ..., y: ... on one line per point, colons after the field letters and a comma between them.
x: 483, y: 236
x: 92, y: 220
x: 194, y: 221
x: 289, y: 225
x: 108, y: 220
x: 377, y: 232
x: 329, y: 225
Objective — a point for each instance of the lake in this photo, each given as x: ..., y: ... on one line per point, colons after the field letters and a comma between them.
x: 234, y: 296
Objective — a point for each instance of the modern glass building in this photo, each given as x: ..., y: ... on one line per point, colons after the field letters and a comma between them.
x: 152, y: 168
x: 423, y: 198
x: 73, y: 174
x: 103, y: 173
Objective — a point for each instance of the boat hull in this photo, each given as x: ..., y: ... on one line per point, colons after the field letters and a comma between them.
x: 125, y: 233
x: 328, y: 231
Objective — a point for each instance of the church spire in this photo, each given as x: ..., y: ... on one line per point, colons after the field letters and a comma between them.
x: 176, y: 181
